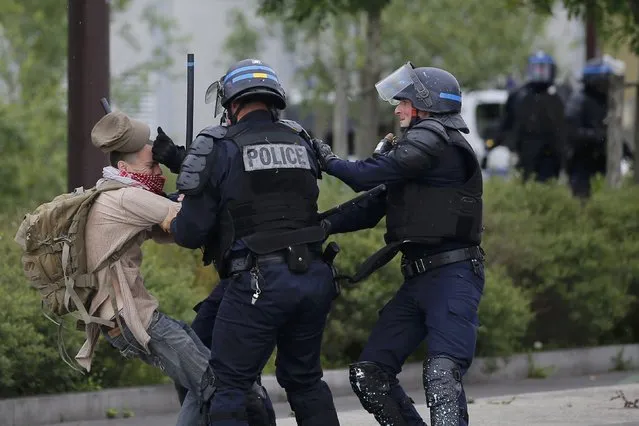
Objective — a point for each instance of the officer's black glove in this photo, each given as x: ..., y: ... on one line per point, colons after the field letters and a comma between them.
x: 167, y: 153
x: 324, y: 153
x: 385, y: 145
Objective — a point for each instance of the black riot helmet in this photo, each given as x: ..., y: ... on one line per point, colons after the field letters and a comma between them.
x: 429, y: 89
x: 246, y: 80
x: 596, y: 75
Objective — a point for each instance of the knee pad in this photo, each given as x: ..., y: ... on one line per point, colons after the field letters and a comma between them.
x: 442, y: 383
x: 371, y: 384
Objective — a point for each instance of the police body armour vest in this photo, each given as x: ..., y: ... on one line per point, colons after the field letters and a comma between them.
x: 538, y: 115
x: 419, y: 212
x: 273, y: 201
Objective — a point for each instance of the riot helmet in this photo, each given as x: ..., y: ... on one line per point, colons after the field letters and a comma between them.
x: 596, y: 75
x: 541, y: 69
x: 429, y: 89
x: 246, y: 80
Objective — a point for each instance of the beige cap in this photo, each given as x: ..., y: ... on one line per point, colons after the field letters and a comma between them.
x: 117, y: 132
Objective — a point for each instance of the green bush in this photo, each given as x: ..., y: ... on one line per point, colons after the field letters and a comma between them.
x: 504, y: 315
x: 29, y: 361
x: 557, y: 271
x: 578, y: 260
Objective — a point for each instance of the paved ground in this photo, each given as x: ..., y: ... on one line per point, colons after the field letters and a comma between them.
x: 584, y: 401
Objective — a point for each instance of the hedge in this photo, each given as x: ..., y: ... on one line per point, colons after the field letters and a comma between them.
x: 559, y: 271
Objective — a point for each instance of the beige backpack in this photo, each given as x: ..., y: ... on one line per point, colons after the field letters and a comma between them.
x: 54, y: 258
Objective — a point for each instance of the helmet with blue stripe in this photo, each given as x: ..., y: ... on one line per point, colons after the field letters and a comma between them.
x: 428, y: 89
x: 596, y: 75
x: 541, y: 68
x: 247, y: 80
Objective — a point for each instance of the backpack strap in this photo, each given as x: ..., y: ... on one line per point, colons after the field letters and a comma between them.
x: 70, y: 293
x: 84, y: 280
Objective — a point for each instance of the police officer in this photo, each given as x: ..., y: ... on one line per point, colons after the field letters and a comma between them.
x: 434, y: 217
x: 533, y: 125
x: 259, y: 406
x: 251, y: 201
x: 586, y: 112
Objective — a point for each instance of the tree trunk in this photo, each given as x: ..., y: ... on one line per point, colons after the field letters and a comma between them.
x: 367, y: 136
x: 636, y: 153
x: 340, y: 106
x: 614, y: 145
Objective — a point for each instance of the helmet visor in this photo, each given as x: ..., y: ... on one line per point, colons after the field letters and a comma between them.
x: 391, y: 86
x: 214, y: 93
x: 540, y: 72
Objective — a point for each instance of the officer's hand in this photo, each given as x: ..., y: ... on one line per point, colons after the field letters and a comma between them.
x: 175, y: 196
x: 166, y: 152
x: 324, y: 153
x: 385, y: 145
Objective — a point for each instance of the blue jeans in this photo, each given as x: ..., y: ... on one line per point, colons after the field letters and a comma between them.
x: 176, y: 350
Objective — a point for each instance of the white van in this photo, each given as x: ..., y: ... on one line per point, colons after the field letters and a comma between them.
x: 483, y: 110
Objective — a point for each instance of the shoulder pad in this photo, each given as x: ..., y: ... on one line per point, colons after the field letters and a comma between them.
x: 216, y: 132
x: 296, y: 127
x: 427, y: 124
x: 292, y: 124
x: 194, y: 172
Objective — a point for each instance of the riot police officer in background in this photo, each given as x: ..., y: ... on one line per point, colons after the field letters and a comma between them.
x: 251, y: 201
x: 586, y: 112
x: 533, y: 125
x: 434, y: 217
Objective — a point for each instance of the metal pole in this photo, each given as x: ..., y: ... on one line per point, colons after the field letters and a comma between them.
x: 105, y: 105
x: 88, y: 81
x: 190, y: 71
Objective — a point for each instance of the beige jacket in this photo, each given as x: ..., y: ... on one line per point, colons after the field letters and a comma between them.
x: 115, y: 218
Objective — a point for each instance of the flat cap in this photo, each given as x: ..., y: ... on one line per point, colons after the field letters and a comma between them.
x: 117, y: 132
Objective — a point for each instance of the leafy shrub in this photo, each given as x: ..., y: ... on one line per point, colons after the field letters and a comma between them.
x: 558, y: 271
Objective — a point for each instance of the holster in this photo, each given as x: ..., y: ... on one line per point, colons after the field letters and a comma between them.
x: 328, y: 256
x: 298, y: 258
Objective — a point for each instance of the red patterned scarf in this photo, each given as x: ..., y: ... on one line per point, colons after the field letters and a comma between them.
x: 154, y: 183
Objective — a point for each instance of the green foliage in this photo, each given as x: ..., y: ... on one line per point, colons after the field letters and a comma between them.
x: 245, y: 40
x: 29, y: 361
x: 577, y: 260
x: 558, y: 272
x: 618, y: 19
x: 504, y: 314
x: 317, y: 10
x: 428, y: 36
x: 33, y: 152
x: 459, y: 36
x: 33, y: 65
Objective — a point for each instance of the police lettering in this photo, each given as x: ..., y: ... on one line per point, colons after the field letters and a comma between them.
x: 275, y: 156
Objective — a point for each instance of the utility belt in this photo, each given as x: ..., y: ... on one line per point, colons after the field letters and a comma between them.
x: 412, y: 268
x: 298, y: 258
